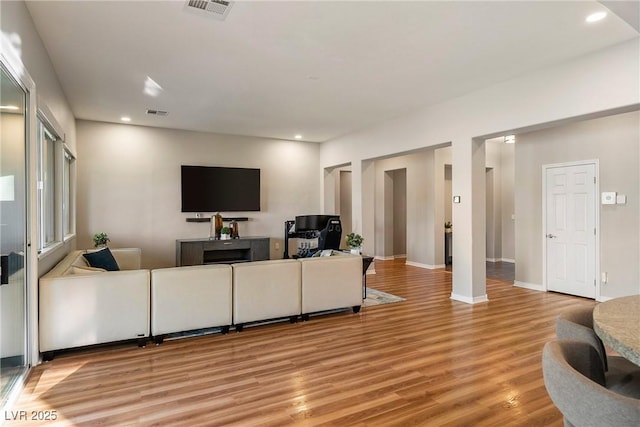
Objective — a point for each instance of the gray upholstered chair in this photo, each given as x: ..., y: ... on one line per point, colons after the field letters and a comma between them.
x: 577, y: 324
x: 622, y: 376
x: 574, y: 378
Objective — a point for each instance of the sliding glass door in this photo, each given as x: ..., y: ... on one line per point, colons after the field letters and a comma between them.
x: 13, y: 216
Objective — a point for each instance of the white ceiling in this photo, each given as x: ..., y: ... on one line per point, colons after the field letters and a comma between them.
x: 316, y: 68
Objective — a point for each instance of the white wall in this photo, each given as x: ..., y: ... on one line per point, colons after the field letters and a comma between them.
x: 18, y: 31
x: 507, y: 208
x: 129, y: 185
x: 499, y: 174
x: 598, y: 84
x: 614, y: 141
x: 17, y: 26
x: 418, y: 173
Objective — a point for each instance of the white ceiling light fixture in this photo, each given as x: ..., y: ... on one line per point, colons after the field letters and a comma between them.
x: 125, y: 119
x: 595, y: 17
x: 298, y: 136
x: 9, y: 107
x: 510, y: 139
x: 218, y: 9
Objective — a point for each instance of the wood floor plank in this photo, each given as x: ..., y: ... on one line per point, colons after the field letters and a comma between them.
x: 424, y: 361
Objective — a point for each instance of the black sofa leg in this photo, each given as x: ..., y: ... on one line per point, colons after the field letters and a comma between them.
x: 47, y: 356
x: 356, y: 308
x: 225, y: 330
x: 158, y: 339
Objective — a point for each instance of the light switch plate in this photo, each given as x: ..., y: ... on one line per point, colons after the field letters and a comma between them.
x: 621, y: 199
x: 456, y: 199
x: 608, y: 197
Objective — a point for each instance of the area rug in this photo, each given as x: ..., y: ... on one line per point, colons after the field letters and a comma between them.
x: 376, y: 297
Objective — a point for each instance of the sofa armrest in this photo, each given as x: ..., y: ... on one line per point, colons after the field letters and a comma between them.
x: 128, y: 258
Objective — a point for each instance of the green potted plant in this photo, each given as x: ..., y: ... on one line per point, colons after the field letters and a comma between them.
x: 100, y: 240
x: 225, y: 233
x: 354, y: 241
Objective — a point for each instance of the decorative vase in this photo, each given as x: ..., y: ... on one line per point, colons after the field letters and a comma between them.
x: 225, y: 236
x: 217, y: 224
x: 356, y: 251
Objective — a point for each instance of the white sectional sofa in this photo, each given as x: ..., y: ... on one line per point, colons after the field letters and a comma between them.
x: 80, y: 306
x: 188, y: 298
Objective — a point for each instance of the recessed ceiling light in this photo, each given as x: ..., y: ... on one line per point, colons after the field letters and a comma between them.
x: 9, y: 107
x: 298, y: 136
x: 125, y: 119
x: 595, y: 17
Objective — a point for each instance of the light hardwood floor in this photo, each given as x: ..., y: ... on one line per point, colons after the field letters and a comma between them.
x: 427, y: 361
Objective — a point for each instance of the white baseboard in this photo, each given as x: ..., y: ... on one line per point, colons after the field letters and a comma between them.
x: 469, y: 300
x: 384, y: 258
x: 427, y: 266
x: 493, y: 259
x: 512, y: 261
x: 525, y: 285
x: 603, y: 299
x: 400, y: 256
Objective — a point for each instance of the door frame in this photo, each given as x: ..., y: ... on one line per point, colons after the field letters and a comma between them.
x: 596, y: 202
x: 11, y: 61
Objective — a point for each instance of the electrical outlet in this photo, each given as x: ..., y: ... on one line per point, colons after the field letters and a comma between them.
x: 605, y: 277
x: 277, y: 245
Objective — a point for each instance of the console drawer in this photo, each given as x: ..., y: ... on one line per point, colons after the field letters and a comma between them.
x: 217, y: 245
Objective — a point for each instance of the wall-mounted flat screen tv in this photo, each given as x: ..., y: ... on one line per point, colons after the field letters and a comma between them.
x: 220, y: 189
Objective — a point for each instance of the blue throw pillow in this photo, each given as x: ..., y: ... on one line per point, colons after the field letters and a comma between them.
x: 102, y: 259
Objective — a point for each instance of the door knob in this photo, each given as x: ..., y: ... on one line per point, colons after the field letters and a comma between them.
x: 551, y: 236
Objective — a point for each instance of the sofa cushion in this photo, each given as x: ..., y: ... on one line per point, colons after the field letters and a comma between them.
x: 74, y: 269
x: 102, y: 259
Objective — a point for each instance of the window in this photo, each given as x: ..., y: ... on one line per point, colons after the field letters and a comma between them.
x: 68, y: 178
x: 46, y: 187
x: 55, y: 189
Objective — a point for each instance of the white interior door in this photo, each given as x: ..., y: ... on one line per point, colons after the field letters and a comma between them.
x: 571, y: 229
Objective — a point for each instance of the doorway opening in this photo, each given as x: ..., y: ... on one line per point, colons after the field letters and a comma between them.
x: 395, y: 213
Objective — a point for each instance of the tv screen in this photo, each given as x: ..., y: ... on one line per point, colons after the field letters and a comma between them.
x: 220, y: 189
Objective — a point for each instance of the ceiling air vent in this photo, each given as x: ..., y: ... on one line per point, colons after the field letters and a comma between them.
x: 157, y: 112
x: 218, y: 9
